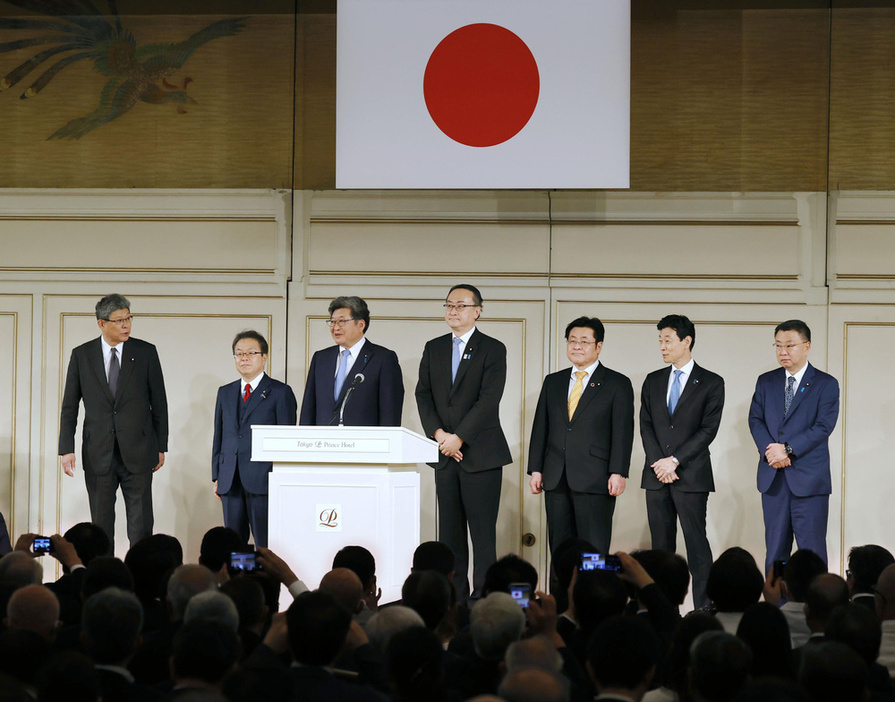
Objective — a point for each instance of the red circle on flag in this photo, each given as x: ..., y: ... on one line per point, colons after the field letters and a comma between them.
x: 481, y: 85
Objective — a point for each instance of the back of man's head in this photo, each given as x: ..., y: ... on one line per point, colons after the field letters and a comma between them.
x: 508, y: 570
x: 533, y: 685
x: 90, y: 541
x: 389, y: 621
x: 832, y: 671
x: 212, y: 606
x: 19, y: 569
x: 669, y: 571
x: 597, y: 595
x: 719, y: 666
x: 317, y: 626
x: 204, y: 651
x: 23, y: 653
x: 801, y: 568
x: 495, y: 622
x: 428, y: 593
x: 622, y: 655
x: 826, y: 592
x: 858, y: 628
x: 535, y: 652
x: 346, y: 587
x: 414, y: 664
x: 69, y: 677
x: 103, y: 572
x: 565, y: 561
x: 248, y: 596
x: 110, y: 626
x: 433, y: 555
x: 885, y: 597
x: 186, y: 582
x: 217, y: 545
x: 150, y: 560
x: 35, y: 608
x: 865, y: 563
x: 360, y: 560
x: 734, y: 581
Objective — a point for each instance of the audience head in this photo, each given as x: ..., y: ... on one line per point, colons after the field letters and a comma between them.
x: 677, y: 660
x: 19, y: 569
x: 801, y: 568
x: 885, y: 593
x: 734, y: 581
x: 212, y: 606
x: 69, y: 677
x: 565, y: 561
x: 826, y: 592
x: 772, y: 690
x: 597, y: 595
x: 508, y: 570
x: 248, y: 596
x: 832, y: 671
x: 434, y: 555
x: 22, y: 655
x: 217, y: 545
x: 110, y: 626
x: 186, y: 582
x: 151, y: 560
x: 34, y: 608
x: 766, y: 632
x: 719, y: 666
x: 495, y: 622
x: 346, y: 587
x: 389, y: 621
x: 90, y: 541
x: 414, y: 664
x: 533, y: 685
x: 254, y: 683
x: 204, y: 652
x: 622, y: 656
x: 858, y: 628
x: 103, y: 572
x: 865, y: 563
x: 668, y: 570
x: 361, y: 561
x: 536, y: 652
x: 317, y: 626
x: 428, y: 593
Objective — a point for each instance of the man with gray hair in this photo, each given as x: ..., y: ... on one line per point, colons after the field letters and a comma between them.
x: 212, y: 606
x: 34, y: 608
x: 125, y: 434
x: 495, y: 622
x: 20, y: 569
x: 355, y: 382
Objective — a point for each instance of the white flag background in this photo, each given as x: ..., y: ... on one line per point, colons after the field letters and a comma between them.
x: 438, y: 93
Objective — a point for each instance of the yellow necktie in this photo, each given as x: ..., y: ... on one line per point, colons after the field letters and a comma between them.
x: 577, y: 389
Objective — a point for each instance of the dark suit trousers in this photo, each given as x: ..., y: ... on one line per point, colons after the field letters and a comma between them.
x: 472, y: 499
x: 787, y: 515
x: 664, y: 507
x: 578, y: 515
x: 242, y: 509
x: 136, y: 488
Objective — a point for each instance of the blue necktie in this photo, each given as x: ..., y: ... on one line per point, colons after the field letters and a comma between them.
x: 340, y: 375
x: 455, y: 358
x: 675, y: 391
x: 787, y: 397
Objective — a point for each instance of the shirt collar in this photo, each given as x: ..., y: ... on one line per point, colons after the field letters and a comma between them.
x: 589, y: 370
x: 466, y: 337
x: 798, y: 376
x: 687, y: 368
x: 354, y: 351
x: 107, y: 349
x: 253, y: 382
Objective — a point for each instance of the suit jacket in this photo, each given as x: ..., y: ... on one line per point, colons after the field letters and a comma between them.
x: 272, y: 402
x: 376, y: 402
x: 137, y: 416
x: 806, y: 428
x: 595, y: 443
x: 470, y: 406
x: 687, y: 434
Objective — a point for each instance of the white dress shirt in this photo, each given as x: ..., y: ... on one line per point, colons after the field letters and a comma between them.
x: 353, y: 354
x: 682, y: 381
x: 107, y: 354
x: 573, y: 379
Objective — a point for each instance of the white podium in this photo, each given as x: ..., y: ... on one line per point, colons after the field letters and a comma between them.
x: 338, y: 486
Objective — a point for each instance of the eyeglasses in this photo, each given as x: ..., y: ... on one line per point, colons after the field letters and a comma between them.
x: 247, y: 354
x: 339, y: 322
x: 120, y: 322
x: 788, y: 347
x: 579, y: 342
x: 450, y: 307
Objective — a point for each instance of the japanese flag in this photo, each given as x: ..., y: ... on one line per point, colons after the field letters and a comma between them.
x: 483, y: 93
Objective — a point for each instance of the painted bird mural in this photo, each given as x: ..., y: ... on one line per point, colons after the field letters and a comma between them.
x: 75, y: 30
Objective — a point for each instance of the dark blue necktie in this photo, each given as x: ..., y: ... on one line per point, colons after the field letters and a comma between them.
x: 787, y: 397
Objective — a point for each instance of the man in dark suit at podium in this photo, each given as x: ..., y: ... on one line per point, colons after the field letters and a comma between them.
x: 680, y: 412
x: 461, y: 381
x: 240, y: 482
x: 355, y: 382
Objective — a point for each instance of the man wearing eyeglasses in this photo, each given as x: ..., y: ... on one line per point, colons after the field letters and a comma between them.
x: 256, y: 398
x: 461, y: 380
x: 794, y: 411
x: 356, y: 382
x: 125, y: 433
x: 581, y: 440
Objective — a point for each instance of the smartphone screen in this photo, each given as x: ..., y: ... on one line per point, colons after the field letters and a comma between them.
x: 244, y: 561
x: 42, y: 545
x: 521, y: 592
x: 597, y: 561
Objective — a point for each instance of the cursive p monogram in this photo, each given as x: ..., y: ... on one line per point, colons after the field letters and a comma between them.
x: 329, y: 517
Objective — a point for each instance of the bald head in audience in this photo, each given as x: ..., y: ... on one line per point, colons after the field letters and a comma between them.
x: 826, y: 592
x: 345, y: 586
x: 34, y: 608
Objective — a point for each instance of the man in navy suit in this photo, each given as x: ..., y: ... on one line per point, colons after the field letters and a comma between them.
x: 355, y: 382
x: 256, y: 398
x: 680, y: 412
x: 794, y: 411
x: 461, y: 381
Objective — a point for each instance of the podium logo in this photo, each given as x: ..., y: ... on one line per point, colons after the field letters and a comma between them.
x: 329, y: 517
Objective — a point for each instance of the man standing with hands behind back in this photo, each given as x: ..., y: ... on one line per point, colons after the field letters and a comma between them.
x: 461, y: 380
x: 680, y: 412
x: 794, y: 411
x: 125, y: 433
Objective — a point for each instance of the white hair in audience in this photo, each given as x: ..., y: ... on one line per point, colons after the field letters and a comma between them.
x: 212, y: 606
x: 537, y: 652
x: 495, y: 622
x: 388, y: 622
